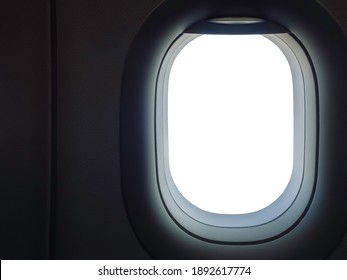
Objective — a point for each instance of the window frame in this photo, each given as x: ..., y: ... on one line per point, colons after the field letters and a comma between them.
x: 281, y: 215
x: 323, y: 44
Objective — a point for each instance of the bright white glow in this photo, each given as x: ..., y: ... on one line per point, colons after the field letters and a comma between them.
x: 230, y: 123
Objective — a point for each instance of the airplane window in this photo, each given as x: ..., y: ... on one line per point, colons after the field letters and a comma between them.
x: 230, y: 123
x: 231, y: 131
x: 222, y: 129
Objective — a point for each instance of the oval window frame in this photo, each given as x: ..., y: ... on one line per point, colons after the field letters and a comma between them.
x: 318, y: 34
x: 283, y: 213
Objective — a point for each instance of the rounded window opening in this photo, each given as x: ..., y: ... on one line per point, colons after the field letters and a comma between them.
x: 234, y: 114
x: 153, y: 103
x: 230, y: 123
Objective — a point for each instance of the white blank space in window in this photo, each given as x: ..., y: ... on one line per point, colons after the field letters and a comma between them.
x: 230, y: 123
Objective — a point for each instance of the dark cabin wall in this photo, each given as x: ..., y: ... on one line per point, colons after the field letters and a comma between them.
x: 24, y: 135
x: 93, y: 38
x: 338, y: 10
x: 88, y: 218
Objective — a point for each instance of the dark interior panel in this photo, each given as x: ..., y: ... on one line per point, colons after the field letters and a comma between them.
x: 25, y: 128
